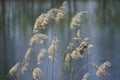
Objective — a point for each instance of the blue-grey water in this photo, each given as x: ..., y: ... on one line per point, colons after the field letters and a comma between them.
x: 101, y: 24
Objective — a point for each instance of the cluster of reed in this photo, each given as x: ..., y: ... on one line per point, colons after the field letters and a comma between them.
x: 71, y: 53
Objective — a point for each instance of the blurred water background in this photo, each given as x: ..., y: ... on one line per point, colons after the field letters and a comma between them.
x: 101, y: 25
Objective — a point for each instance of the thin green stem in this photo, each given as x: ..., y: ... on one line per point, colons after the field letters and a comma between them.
x: 63, y: 62
x: 19, y: 72
x: 87, y: 62
x: 52, y: 68
x: 47, y: 69
x: 29, y: 71
x: 57, y: 70
x: 72, y: 71
x: 81, y: 70
x: 32, y: 67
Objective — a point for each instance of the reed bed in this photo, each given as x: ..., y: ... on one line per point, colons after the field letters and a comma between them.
x: 71, y: 55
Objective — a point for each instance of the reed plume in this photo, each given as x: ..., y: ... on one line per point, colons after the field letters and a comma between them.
x: 36, y: 73
x: 41, y: 55
x: 78, y: 36
x: 76, y: 20
x: 85, y: 77
x: 52, y: 49
x: 44, y: 19
x: 71, y: 53
x: 70, y: 46
x: 68, y: 59
x: 78, y: 52
x: 61, y: 13
x: 28, y: 53
x: 14, y: 69
x: 38, y: 38
x: 24, y: 68
x: 102, y: 69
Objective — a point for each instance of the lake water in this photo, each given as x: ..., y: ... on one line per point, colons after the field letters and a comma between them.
x: 101, y: 24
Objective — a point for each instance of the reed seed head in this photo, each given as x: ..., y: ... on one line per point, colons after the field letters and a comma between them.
x: 78, y: 36
x: 38, y: 23
x: 76, y: 20
x: 85, y: 77
x: 51, y: 58
x: 70, y: 46
x: 86, y: 39
x: 90, y: 46
x: 41, y: 55
x: 49, y: 16
x: 36, y: 73
x: 78, y: 51
x: 55, y: 40
x: 43, y: 20
x: 84, y: 44
x: 78, y: 33
x: 101, y: 70
x: 52, y: 49
x: 37, y: 38
x: 14, y: 69
x: 28, y: 53
x: 74, y: 54
x: 24, y: 68
x: 61, y: 13
x: 67, y: 59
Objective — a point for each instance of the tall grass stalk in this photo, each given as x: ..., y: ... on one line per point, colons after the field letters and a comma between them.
x: 76, y: 75
x: 47, y: 69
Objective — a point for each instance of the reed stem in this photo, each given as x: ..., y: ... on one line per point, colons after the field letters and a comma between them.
x: 64, y: 54
x: 80, y: 70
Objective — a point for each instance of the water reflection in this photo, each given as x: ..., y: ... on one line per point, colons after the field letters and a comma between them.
x: 101, y: 25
